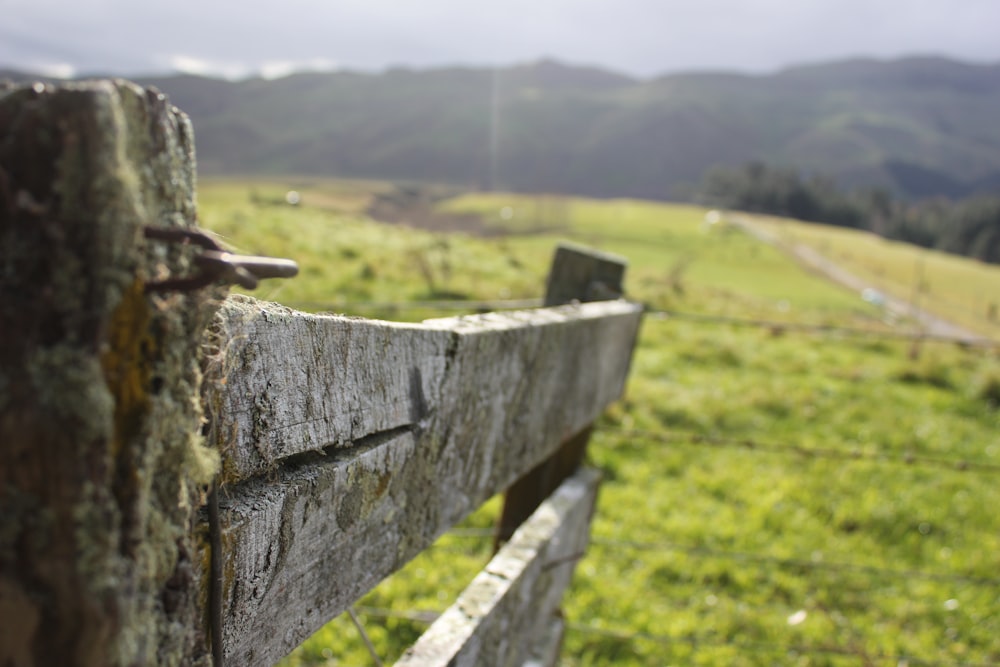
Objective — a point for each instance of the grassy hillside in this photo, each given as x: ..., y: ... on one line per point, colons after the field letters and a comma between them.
x: 771, y: 496
x: 921, y: 126
x: 958, y: 289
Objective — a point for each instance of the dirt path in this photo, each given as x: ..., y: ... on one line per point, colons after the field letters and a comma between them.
x: 929, y: 324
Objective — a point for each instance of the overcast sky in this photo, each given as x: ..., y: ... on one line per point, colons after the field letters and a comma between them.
x: 638, y: 37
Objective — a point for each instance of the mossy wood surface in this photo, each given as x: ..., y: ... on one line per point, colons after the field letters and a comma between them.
x: 101, y: 463
x: 378, y: 437
x: 505, y: 615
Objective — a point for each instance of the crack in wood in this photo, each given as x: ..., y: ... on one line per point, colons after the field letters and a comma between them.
x: 296, y: 465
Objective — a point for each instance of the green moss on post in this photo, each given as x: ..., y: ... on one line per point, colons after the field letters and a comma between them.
x: 102, y: 467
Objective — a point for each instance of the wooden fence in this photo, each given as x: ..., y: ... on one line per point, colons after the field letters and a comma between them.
x: 189, y: 478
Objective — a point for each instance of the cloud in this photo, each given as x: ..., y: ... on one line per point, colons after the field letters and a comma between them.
x: 233, y: 69
x: 644, y: 37
x: 55, y: 70
x: 275, y: 69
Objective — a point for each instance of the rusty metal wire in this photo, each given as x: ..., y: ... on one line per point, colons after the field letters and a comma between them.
x: 215, y: 264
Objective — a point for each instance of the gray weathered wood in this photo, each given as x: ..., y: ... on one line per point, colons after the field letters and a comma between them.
x: 286, y: 383
x: 576, y: 275
x: 100, y: 463
x: 547, y: 647
x: 584, y: 274
x: 495, y: 621
x: 495, y: 394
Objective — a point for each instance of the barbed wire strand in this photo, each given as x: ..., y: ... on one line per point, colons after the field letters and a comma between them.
x: 808, y: 327
x: 774, y: 325
x: 424, y: 616
x: 747, y: 556
x: 766, y: 559
x: 432, y: 304
x: 836, y: 453
x: 696, y: 641
x: 427, y: 617
x: 364, y: 637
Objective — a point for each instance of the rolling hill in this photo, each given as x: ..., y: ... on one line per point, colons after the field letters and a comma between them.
x: 920, y: 126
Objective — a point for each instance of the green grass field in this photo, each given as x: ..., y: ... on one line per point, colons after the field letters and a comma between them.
x: 770, y: 496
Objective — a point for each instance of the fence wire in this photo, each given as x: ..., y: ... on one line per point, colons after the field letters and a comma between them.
x: 696, y: 642
x: 616, y: 548
x: 836, y: 453
x: 433, y: 304
x: 481, y: 306
x: 709, y: 641
x: 829, y: 329
x: 762, y: 560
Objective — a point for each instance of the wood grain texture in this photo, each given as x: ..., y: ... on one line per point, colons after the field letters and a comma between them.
x: 288, y: 383
x: 504, y: 617
x: 479, y: 400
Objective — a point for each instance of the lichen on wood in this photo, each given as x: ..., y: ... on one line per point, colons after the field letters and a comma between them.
x: 101, y: 461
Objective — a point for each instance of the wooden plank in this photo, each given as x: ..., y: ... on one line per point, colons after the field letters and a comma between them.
x: 306, y: 540
x: 523, y: 382
x: 496, y: 620
x: 285, y: 383
x: 546, y: 649
x: 302, y: 547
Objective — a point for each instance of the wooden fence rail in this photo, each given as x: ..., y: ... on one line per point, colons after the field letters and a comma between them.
x: 339, y: 447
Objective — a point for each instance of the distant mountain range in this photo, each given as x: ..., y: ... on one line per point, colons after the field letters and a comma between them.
x: 919, y: 126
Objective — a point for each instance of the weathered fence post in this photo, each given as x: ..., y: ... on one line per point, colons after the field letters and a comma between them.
x: 101, y: 462
x: 577, y: 274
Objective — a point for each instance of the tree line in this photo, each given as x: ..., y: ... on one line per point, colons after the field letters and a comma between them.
x: 968, y: 226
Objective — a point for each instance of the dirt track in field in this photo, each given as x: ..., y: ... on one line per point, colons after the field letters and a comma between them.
x: 930, y: 324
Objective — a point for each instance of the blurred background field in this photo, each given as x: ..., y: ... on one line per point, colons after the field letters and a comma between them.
x: 774, y: 493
